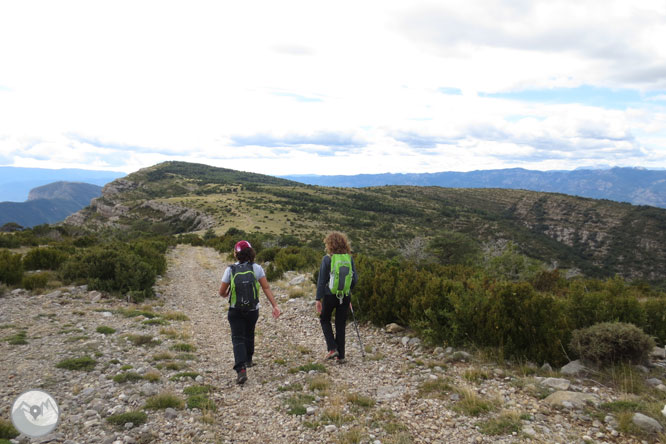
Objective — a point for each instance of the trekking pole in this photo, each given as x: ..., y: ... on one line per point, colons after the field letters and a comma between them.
x: 360, y: 343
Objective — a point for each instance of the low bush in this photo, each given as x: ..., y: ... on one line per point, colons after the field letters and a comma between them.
x: 164, y: 401
x: 36, y: 281
x: 179, y: 376
x: 11, y: 268
x: 105, y: 330
x: 197, y: 389
x: 201, y: 402
x: 120, y: 419
x: 84, y: 363
x: 143, y: 340
x: 116, y: 268
x: 44, y: 258
x: 610, y: 343
x: 121, y: 378
x: 18, y: 338
x: 7, y: 430
x: 183, y: 347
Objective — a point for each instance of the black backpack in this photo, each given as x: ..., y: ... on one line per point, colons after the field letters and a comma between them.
x: 244, y: 293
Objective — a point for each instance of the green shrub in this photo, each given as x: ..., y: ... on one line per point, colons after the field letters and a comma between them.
x: 36, y: 281
x: 114, y: 268
x: 504, y: 424
x: 655, y: 314
x: 296, y: 258
x: 44, y: 258
x: 84, y: 363
x: 198, y: 389
x: 145, y: 340
x: 308, y: 368
x: 178, y: 376
x: 609, y: 343
x: 120, y: 419
x: 7, y: 430
x: 105, y: 330
x: 164, y: 401
x: 183, y: 347
x: 201, y: 402
x: 11, y: 268
x: 272, y: 273
x: 18, y: 338
x: 121, y: 378
x: 267, y: 254
x: 513, y: 318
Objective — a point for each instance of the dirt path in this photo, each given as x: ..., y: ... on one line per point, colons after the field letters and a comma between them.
x: 386, y: 397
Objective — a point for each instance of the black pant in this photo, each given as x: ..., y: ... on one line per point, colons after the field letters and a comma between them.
x: 330, y: 303
x: 242, y: 335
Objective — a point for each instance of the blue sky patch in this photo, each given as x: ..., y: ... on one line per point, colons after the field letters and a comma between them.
x: 450, y: 91
x: 584, y: 95
x: 297, y: 97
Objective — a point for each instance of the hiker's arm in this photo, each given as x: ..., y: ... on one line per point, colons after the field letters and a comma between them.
x: 269, y: 294
x: 224, y: 289
x: 322, y: 281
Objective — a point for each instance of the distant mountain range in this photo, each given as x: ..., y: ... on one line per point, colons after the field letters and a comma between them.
x: 16, y: 183
x: 634, y: 185
x: 49, y: 203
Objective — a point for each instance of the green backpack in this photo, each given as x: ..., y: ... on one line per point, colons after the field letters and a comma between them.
x: 341, y: 275
x: 244, y: 287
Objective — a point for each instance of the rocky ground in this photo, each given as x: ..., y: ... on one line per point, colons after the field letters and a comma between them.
x: 179, y: 343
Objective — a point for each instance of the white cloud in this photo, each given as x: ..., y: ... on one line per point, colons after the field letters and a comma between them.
x: 340, y: 88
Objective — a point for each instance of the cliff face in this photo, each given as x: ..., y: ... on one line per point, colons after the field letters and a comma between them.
x: 124, y: 201
x: 49, y: 203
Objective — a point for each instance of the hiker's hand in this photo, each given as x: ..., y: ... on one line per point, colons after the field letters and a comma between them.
x: 318, y: 307
x: 276, y: 312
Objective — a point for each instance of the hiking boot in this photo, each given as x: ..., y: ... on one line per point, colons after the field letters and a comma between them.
x: 332, y: 354
x: 241, y: 377
x: 249, y: 364
x: 340, y: 360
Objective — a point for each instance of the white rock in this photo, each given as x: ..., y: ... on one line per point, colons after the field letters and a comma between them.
x: 658, y: 352
x: 646, y: 423
x: 394, y: 328
x: 330, y: 428
x: 556, y: 383
x: 573, y: 368
x: 297, y: 280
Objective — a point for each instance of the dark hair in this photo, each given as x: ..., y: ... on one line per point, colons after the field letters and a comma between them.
x: 246, y: 255
x: 337, y: 243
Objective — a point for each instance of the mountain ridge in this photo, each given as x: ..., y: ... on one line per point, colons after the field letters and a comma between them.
x: 622, y: 184
x: 599, y: 237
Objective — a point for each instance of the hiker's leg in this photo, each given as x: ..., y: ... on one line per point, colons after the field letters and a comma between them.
x: 325, y: 321
x: 237, y: 324
x: 250, y: 322
x: 340, y: 325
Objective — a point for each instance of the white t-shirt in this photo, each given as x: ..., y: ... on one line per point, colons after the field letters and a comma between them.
x: 258, y: 273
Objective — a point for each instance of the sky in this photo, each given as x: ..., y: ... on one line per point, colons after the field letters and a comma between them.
x: 344, y: 87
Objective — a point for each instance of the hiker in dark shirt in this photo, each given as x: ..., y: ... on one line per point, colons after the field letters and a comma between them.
x: 337, y: 246
x: 242, y: 320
